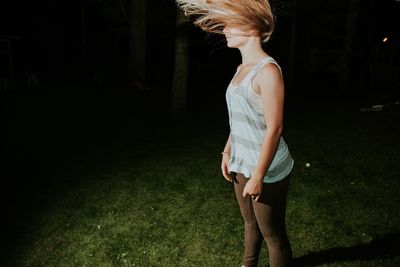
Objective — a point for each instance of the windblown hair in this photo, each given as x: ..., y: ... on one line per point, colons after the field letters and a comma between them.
x: 213, y: 15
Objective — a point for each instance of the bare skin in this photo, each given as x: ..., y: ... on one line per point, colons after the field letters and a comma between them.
x: 268, y: 83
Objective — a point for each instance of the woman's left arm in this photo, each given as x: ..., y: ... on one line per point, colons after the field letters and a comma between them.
x: 269, y: 81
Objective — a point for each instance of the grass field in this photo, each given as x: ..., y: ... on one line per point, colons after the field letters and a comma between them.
x: 155, y: 196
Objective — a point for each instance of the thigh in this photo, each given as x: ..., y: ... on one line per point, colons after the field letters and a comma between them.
x: 270, y: 209
x: 245, y: 203
x: 275, y: 194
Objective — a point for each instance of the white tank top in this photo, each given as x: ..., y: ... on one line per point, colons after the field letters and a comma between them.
x: 247, y: 125
x: 254, y: 99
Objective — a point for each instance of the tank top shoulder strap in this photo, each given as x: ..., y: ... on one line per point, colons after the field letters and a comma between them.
x: 264, y: 61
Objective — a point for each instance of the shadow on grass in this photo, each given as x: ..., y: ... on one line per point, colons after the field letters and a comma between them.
x: 387, y: 246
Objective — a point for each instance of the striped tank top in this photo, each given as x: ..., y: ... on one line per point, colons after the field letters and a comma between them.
x: 247, y: 125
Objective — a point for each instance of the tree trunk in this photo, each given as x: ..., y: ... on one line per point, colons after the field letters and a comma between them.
x: 137, y: 42
x: 348, y: 44
x: 181, y: 66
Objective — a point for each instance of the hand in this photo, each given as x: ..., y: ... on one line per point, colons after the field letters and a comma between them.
x: 253, y: 188
x: 224, y: 168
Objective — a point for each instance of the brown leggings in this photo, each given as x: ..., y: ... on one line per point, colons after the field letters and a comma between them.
x: 265, y: 220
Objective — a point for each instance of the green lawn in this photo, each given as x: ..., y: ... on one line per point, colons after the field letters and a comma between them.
x: 157, y: 198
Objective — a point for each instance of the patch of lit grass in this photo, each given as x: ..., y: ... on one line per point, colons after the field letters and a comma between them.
x: 161, y: 200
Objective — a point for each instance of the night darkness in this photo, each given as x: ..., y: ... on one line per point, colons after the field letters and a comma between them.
x: 86, y: 118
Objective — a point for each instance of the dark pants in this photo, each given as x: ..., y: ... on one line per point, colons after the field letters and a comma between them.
x: 265, y: 220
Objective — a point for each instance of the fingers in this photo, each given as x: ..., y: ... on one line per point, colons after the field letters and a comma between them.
x: 254, y: 196
x: 252, y: 189
x: 228, y: 178
x: 226, y: 174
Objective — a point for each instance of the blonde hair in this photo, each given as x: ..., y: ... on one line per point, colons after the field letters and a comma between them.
x: 213, y: 15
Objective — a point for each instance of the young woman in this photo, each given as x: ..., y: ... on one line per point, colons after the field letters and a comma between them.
x: 255, y: 158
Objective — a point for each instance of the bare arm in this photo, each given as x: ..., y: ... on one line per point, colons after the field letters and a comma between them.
x: 271, y: 86
x: 225, y: 160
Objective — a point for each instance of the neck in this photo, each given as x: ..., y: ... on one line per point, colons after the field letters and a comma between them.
x: 252, y: 52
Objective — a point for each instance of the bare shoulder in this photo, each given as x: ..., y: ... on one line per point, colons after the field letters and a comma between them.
x: 269, y: 76
x: 269, y: 71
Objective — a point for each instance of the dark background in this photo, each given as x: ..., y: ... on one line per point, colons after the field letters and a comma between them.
x: 50, y: 42
x: 69, y: 116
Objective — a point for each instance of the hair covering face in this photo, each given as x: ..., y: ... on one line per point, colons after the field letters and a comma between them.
x: 214, y: 15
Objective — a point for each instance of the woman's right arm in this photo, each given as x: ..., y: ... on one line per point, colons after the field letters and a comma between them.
x: 225, y: 159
